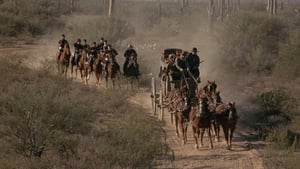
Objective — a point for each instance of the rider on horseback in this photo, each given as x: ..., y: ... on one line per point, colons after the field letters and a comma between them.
x: 130, y: 52
x: 100, y: 45
x: 61, y: 44
x: 193, y: 63
x: 85, y: 45
x: 78, y: 48
x: 92, y: 55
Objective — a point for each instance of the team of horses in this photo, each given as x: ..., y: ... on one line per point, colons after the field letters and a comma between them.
x: 207, y: 114
x: 104, y: 67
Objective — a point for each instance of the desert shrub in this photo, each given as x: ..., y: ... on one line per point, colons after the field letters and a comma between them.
x: 288, y: 65
x: 50, y: 122
x: 276, y: 109
x: 250, y: 42
x: 274, y: 158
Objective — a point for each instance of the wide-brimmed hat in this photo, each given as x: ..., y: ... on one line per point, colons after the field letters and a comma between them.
x: 194, y: 50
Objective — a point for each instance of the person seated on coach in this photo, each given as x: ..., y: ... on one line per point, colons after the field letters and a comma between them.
x: 92, y: 55
x: 61, y: 45
x: 180, y: 62
x: 130, y: 51
x: 77, y: 53
x: 193, y: 63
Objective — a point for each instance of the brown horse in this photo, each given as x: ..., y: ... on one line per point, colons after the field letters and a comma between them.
x: 214, y: 101
x: 181, y: 115
x: 226, y: 115
x: 200, y: 121
x: 83, y: 66
x: 112, y: 70
x: 63, y: 60
x: 99, y: 68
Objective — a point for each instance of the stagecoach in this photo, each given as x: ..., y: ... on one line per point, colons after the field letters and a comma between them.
x: 170, y: 80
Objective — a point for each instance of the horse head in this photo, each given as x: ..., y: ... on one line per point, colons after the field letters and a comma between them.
x: 232, y: 114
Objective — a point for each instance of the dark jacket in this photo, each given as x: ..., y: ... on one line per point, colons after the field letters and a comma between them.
x: 192, y: 61
x: 130, y: 52
x: 78, y: 48
x: 180, y: 64
x: 62, y: 43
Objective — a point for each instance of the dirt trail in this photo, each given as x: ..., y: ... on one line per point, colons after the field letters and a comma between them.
x: 244, y: 154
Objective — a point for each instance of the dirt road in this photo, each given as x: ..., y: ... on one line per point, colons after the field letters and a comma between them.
x: 244, y: 153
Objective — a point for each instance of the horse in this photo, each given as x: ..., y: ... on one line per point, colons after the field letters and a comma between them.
x: 226, y: 115
x: 99, y: 67
x: 200, y: 121
x: 131, y: 71
x: 210, y: 87
x: 83, y: 66
x: 112, y: 69
x: 74, y: 63
x: 214, y: 101
x: 63, y: 60
x: 181, y: 115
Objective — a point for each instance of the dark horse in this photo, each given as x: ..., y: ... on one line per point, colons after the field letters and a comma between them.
x: 200, y: 120
x: 63, y: 60
x: 131, y: 72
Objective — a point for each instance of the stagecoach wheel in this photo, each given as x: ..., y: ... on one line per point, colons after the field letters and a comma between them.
x: 168, y: 86
x: 161, y: 114
x: 153, y: 95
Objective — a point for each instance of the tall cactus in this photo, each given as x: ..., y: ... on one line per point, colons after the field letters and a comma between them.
x: 111, y: 7
x: 221, y: 10
x: 272, y: 7
x: 211, y: 15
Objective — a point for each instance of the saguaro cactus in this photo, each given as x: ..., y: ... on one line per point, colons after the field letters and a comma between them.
x: 272, y: 7
x: 111, y: 7
x: 211, y: 15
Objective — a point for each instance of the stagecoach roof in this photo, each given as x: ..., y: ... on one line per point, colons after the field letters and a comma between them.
x: 171, y: 51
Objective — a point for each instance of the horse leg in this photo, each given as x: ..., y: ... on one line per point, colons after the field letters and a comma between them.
x: 195, y: 133
x: 185, y: 132
x: 231, y: 136
x: 182, y: 130
x: 176, y: 125
x: 225, y: 130
x: 202, y: 131
x: 209, y: 136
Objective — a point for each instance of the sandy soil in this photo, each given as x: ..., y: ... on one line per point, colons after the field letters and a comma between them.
x: 244, y: 154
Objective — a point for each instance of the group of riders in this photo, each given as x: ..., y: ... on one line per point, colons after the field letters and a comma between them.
x: 94, y: 49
